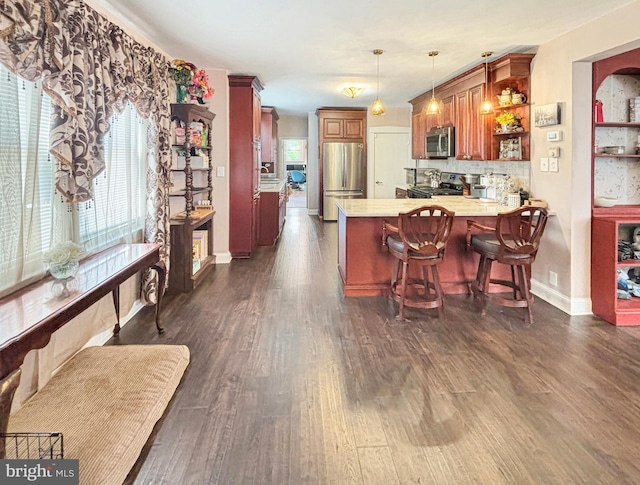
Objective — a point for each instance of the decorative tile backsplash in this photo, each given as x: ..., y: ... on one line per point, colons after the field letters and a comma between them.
x: 518, y: 172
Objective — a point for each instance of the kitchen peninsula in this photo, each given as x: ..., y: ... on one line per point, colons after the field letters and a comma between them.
x: 366, y: 269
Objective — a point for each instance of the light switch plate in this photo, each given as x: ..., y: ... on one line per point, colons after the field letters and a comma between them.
x: 553, y: 164
x: 544, y: 164
x: 554, y: 152
x: 219, y: 171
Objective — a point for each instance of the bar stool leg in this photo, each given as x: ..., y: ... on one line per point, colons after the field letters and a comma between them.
x: 403, y: 290
x: 439, y: 292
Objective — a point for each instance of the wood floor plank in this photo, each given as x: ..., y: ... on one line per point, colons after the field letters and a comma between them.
x: 292, y: 383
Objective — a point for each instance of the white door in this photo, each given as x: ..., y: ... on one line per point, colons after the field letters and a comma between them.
x: 391, y: 154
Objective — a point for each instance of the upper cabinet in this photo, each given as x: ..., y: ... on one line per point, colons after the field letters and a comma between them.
x: 616, y: 134
x: 345, y: 129
x: 269, y: 139
x: 460, y: 100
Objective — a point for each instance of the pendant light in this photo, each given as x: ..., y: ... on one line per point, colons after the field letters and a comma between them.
x: 377, y: 109
x: 433, y: 108
x: 486, y: 108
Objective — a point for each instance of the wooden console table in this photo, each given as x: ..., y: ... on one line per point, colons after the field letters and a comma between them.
x: 31, y: 315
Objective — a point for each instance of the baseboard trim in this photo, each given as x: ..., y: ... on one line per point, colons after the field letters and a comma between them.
x: 312, y: 212
x: 571, y: 306
x: 223, y: 258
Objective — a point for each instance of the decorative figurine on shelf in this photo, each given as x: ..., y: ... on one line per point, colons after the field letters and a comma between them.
x: 509, y: 122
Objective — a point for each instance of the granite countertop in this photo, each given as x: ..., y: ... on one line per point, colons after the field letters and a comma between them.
x: 391, y: 207
x: 272, y: 185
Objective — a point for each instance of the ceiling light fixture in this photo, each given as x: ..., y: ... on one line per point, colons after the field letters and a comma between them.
x: 377, y: 109
x: 486, y: 108
x: 352, y: 91
x: 433, y: 108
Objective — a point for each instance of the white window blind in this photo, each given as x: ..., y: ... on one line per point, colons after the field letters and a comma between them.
x: 117, y: 211
x: 26, y: 179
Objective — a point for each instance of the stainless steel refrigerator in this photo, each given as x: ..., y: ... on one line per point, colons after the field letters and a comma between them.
x: 343, y: 175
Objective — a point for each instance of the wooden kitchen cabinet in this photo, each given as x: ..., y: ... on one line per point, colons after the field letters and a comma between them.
x: 460, y: 101
x: 245, y: 162
x: 345, y: 129
x: 616, y: 80
x: 273, y: 209
x: 418, y: 132
x: 341, y: 125
x: 269, y: 139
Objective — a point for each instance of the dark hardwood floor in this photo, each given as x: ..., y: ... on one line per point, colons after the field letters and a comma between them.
x: 291, y: 383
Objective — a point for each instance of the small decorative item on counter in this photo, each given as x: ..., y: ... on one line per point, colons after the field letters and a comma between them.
x: 63, y: 259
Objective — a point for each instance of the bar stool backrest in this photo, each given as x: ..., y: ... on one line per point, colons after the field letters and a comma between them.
x: 519, y: 233
x: 425, y: 230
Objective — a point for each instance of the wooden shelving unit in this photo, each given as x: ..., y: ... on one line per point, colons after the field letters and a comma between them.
x: 187, y: 270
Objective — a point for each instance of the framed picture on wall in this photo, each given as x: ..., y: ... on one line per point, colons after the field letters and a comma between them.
x: 547, y: 115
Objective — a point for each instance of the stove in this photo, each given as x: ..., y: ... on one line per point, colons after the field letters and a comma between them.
x: 426, y: 191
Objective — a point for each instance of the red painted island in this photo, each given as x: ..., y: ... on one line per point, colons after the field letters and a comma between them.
x: 366, y: 269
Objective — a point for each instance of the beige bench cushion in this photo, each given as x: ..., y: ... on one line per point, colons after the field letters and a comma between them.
x: 106, y: 401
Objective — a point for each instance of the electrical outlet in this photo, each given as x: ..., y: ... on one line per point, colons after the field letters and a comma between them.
x: 554, y: 152
x: 544, y: 164
x: 553, y: 278
x: 553, y: 165
x: 219, y: 171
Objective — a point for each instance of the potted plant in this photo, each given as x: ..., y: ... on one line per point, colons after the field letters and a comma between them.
x: 508, y: 121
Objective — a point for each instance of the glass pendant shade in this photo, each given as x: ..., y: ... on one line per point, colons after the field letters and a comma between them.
x: 433, y: 108
x: 377, y: 109
x: 486, y: 108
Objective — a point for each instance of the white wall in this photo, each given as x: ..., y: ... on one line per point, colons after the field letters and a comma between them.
x: 219, y: 104
x: 293, y: 126
x: 561, y: 72
x: 392, y: 117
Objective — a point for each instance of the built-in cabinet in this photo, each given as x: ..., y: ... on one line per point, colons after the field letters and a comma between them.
x: 273, y: 209
x: 191, y: 229
x: 460, y: 101
x: 269, y: 139
x: 616, y: 174
x: 245, y: 164
x: 341, y: 125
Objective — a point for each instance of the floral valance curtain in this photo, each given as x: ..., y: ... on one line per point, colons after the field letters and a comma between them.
x: 90, y: 68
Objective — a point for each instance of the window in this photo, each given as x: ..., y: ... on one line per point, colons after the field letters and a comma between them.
x: 117, y: 211
x: 32, y: 215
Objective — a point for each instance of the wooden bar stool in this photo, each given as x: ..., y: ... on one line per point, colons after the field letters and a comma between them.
x: 514, y: 241
x: 419, y: 239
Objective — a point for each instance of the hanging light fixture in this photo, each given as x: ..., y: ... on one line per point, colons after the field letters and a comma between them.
x: 352, y: 91
x: 377, y: 109
x: 433, y: 108
x: 486, y: 108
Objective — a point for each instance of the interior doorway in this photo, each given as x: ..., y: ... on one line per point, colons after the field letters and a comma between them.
x: 390, y: 153
x: 294, y: 162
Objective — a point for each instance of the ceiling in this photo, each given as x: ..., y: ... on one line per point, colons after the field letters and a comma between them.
x: 303, y: 51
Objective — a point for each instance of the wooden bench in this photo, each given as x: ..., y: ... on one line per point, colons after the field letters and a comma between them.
x: 105, y: 401
x: 29, y: 316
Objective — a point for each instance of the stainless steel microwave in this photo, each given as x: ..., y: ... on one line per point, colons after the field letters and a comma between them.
x: 440, y: 143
